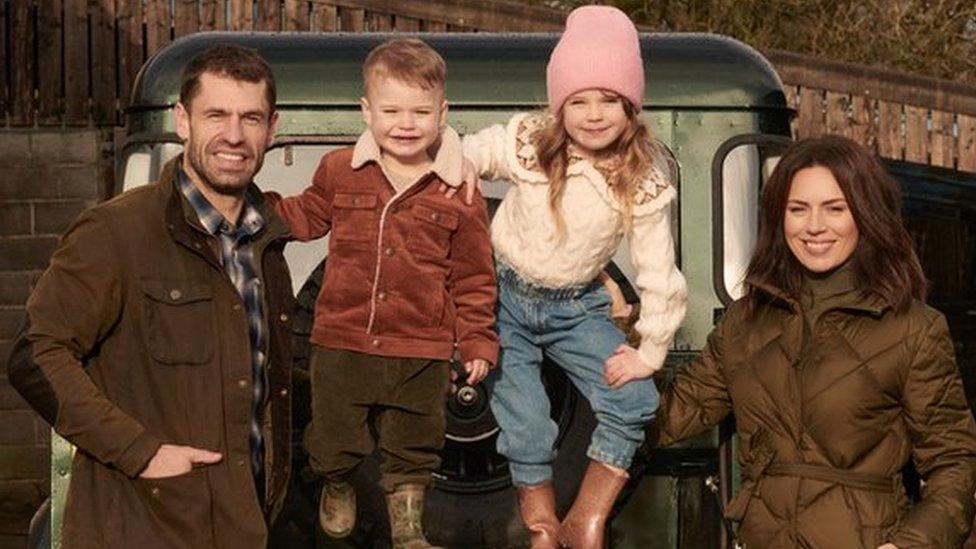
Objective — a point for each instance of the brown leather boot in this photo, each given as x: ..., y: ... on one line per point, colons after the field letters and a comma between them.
x: 337, y: 509
x: 584, y: 524
x: 406, y: 509
x: 537, y: 505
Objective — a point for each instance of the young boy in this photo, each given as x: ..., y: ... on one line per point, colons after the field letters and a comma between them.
x: 409, y: 276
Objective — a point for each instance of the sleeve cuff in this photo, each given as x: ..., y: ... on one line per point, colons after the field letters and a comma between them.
x: 479, y: 349
x: 928, y: 526
x: 653, y: 355
x: 135, y: 458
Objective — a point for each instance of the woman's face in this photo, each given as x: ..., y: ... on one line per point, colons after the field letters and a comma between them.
x: 818, y: 224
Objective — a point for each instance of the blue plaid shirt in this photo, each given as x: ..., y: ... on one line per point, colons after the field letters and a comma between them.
x: 237, y: 257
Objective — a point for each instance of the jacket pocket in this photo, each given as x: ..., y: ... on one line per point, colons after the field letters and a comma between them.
x: 172, y: 512
x: 178, y: 321
x: 430, y: 235
x: 354, y: 218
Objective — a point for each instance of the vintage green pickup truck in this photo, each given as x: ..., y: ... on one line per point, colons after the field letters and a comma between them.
x: 716, y: 104
x: 719, y: 108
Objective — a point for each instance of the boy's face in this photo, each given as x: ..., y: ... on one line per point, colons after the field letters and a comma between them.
x: 405, y: 120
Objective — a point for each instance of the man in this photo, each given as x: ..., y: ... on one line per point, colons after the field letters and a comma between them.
x: 158, y: 339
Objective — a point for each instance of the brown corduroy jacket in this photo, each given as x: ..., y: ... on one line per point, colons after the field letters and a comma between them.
x: 828, y: 415
x: 408, y: 274
x: 136, y: 338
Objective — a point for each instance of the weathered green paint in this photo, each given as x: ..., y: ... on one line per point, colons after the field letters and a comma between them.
x: 697, y: 137
x: 61, y: 455
x: 503, y: 70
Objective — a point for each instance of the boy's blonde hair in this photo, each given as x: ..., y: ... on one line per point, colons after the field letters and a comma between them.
x: 407, y: 59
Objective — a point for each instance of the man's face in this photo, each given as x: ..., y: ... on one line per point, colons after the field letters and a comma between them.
x: 226, y: 129
x: 405, y: 120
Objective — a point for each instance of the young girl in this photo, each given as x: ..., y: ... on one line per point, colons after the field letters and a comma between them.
x: 585, y: 175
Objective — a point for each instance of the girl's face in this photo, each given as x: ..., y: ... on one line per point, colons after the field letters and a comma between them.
x: 594, y: 119
x: 818, y: 224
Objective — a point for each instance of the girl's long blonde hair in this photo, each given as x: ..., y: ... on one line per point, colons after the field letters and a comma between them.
x: 631, y: 159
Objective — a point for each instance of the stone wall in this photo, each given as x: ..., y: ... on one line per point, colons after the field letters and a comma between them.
x: 47, y: 177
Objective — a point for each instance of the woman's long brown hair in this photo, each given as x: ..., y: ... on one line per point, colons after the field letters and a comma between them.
x: 635, y: 154
x: 883, y: 264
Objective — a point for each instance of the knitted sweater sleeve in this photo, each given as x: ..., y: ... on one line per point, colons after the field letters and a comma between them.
x: 662, y: 288
x: 486, y: 150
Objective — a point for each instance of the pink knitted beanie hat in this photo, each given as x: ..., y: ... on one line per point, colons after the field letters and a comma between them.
x: 598, y: 49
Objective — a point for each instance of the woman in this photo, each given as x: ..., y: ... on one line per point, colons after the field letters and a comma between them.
x: 835, y: 369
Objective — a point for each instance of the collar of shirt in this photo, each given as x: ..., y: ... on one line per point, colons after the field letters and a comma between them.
x: 212, y: 220
x: 447, y: 160
x: 577, y: 163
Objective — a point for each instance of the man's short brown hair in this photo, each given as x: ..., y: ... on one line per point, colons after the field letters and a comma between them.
x: 228, y: 60
x: 407, y: 59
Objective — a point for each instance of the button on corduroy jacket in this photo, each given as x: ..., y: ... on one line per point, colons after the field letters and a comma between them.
x: 408, y: 274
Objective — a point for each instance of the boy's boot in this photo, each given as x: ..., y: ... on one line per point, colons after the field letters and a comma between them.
x: 586, y: 521
x: 406, y: 509
x: 337, y: 509
x: 537, y: 505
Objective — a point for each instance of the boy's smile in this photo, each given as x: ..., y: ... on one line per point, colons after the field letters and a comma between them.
x: 404, y: 119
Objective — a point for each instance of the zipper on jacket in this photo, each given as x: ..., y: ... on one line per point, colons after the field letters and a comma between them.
x: 797, y: 374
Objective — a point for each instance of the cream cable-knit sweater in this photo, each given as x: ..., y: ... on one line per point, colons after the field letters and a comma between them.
x: 524, y: 235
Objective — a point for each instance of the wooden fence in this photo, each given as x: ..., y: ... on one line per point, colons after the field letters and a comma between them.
x: 902, y: 116
x: 73, y: 62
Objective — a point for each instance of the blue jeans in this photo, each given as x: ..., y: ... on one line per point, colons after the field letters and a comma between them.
x: 572, y: 327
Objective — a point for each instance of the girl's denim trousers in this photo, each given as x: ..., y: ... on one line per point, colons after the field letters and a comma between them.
x: 572, y: 328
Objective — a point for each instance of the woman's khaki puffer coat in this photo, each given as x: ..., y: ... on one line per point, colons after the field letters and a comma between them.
x: 827, y: 416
